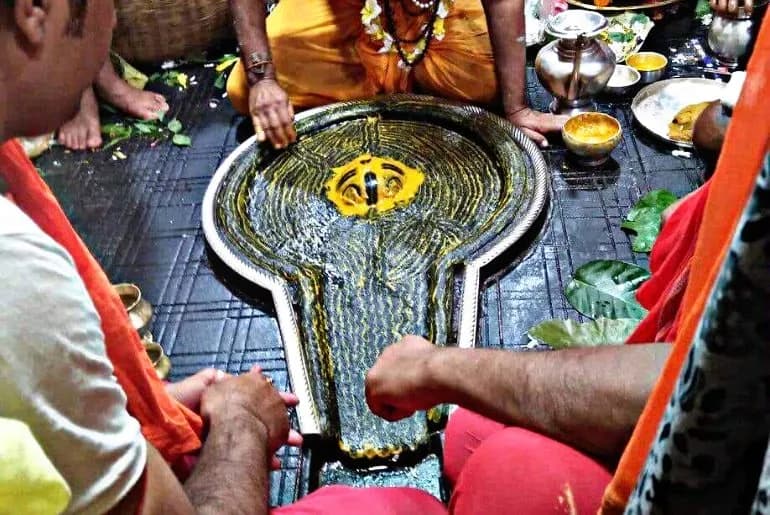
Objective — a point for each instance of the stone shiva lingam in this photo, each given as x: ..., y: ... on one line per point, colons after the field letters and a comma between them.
x: 358, y: 231
x: 577, y: 66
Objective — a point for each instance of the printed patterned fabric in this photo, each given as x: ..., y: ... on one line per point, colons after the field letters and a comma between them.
x: 708, y: 454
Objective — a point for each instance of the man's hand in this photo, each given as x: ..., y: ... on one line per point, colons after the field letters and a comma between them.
x: 252, y: 396
x: 189, y: 391
x: 400, y: 383
x: 536, y: 124
x: 247, y: 424
x: 271, y: 113
x: 731, y: 6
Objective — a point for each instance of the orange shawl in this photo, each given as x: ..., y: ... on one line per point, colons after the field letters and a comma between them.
x: 170, y: 427
x: 745, y: 146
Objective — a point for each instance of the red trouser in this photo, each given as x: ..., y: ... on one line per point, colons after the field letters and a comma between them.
x: 493, y: 469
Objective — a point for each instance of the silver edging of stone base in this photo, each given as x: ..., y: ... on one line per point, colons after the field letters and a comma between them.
x: 469, y: 303
x: 307, y: 413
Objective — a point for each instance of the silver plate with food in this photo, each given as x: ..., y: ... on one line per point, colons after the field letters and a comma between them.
x: 668, y: 108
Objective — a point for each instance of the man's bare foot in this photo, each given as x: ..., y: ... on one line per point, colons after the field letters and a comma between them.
x: 138, y: 103
x: 83, y: 131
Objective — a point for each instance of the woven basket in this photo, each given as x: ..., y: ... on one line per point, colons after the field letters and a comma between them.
x: 152, y: 31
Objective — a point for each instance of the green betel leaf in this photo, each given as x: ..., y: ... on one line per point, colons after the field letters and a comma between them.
x: 145, y: 127
x: 181, y: 140
x: 645, y: 217
x: 116, y: 130
x: 607, y: 288
x: 702, y: 8
x: 618, y: 37
x: 175, y: 126
x: 562, y: 334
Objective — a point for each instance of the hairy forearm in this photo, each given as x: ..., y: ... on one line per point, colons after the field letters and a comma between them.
x: 590, y: 398
x: 232, y: 475
x: 505, y: 22
x: 249, y: 19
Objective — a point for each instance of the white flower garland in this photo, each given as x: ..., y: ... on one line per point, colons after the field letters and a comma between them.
x: 371, y: 19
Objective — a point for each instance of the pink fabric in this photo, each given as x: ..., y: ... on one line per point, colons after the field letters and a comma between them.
x: 493, y: 469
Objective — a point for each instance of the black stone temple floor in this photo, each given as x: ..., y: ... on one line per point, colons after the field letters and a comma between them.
x: 141, y: 218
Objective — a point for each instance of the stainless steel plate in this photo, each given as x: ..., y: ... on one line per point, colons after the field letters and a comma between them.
x: 656, y: 105
x: 631, y: 6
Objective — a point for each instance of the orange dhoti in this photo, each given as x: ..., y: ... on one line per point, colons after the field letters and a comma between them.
x: 322, y: 55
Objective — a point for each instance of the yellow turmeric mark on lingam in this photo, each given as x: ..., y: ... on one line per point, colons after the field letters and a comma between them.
x: 372, y: 184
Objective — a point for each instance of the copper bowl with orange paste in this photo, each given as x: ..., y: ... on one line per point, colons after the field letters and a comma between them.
x: 591, y: 137
x: 650, y: 65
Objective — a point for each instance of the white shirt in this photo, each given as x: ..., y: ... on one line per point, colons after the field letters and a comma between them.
x: 54, y: 372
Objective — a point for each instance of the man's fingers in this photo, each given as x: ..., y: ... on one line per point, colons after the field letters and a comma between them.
x: 545, y: 123
x: 287, y: 119
x: 387, y: 411
x: 538, y: 138
x: 748, y: 6
x: 275, y: 463
x: 276, y: 124
x: 267, y: 128
x: 294, y: 439
x: 258, y: 129
x: 289, y: 399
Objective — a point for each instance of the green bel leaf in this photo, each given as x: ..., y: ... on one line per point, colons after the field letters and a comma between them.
x: 145, y: 127
x: 130, y: 74
x: 181, y: 140
x: 645, y: 218
x: 175, y: 126
x: 116, y: 130
x: 618, y: 37
x: 702, y: 8
x: 221, y: 81
x: 607, y: 288
x: 562, y: 334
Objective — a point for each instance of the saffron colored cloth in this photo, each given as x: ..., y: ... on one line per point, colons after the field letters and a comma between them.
x: 322, y: 55
x: 493, y: 469
x: 744, y: 148
x: 167, y: 425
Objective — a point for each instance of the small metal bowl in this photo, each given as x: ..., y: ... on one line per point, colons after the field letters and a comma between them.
x: 623, y: 80
x: 139, y: 310
x: 649, y: 71
x: 158, y: 358
x: 591, y: 137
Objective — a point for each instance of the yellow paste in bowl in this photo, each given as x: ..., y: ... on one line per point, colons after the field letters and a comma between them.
x: 647, y: 62
x: 592, y: 128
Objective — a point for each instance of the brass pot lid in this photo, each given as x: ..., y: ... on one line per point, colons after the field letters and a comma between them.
x: 575, y: 22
